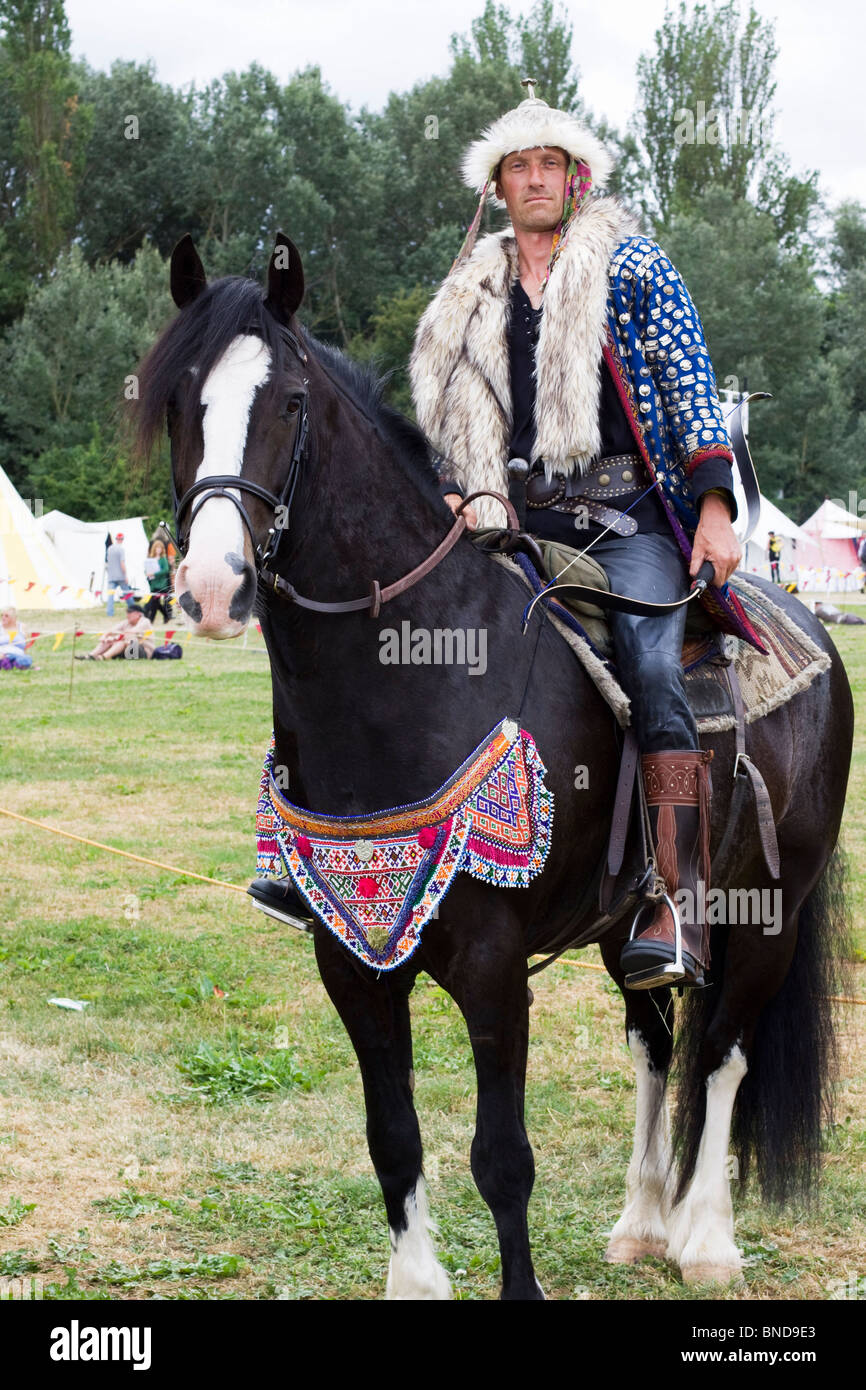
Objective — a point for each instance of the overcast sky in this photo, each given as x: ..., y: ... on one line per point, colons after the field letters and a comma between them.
x: 366, y: 50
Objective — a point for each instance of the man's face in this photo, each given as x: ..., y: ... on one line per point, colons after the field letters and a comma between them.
x: 532, y: 184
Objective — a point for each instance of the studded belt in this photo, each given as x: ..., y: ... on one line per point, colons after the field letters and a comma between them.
x: 620, y: 475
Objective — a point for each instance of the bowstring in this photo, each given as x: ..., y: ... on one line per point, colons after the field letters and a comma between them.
x: 527, y: 612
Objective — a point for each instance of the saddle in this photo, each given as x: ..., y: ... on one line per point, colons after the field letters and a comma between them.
x: 728, y: 685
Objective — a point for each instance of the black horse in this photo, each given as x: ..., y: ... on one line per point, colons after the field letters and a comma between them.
x: 239, y: 381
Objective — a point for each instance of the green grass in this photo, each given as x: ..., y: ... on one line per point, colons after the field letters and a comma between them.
x: 197, y: 1132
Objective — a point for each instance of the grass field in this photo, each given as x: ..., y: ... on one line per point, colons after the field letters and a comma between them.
x: 197, y: 1132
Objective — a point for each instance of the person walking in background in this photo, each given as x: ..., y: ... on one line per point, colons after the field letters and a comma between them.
x: 115, y: 559
x: 159, y: 579
x: 774, y: 552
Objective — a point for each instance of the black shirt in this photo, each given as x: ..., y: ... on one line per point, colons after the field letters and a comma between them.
x: 614, y: 429
x: 615, y: 432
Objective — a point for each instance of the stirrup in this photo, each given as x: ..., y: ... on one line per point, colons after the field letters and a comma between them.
x: 665, y: 973
x: 266, y: 904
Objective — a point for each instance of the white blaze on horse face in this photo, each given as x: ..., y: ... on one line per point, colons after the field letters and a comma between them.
x: 215, y: 570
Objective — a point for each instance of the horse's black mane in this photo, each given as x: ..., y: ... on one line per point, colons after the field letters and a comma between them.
x: 366, y: 390
x: 201, y: 333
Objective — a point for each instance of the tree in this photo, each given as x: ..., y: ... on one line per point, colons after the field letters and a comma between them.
x: 47, y: 128
x: 765, y: 323
x: 141, y: 177
x: 704, y: 115
x: 387, y: 343
x: 67, y: 362
x: 846, y: 315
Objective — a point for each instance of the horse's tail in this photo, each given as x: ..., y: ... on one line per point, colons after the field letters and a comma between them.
x: 786, y: 1097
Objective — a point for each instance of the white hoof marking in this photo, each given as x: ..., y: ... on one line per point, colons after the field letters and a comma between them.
x: 414, y: 1271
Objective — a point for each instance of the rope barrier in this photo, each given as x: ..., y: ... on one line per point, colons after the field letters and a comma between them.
x: 125, y: 853
x: 235, y: 888
x: 588, y: 965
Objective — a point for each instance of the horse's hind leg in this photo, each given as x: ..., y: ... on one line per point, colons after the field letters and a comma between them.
x: 701, y: 1229
x: 650, y: 1179
x: 375, y: 1013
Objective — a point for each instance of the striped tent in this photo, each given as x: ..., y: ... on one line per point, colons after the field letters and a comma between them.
x: 32, y: 574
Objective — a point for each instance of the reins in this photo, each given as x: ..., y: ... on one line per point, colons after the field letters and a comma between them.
x: 230, y: 486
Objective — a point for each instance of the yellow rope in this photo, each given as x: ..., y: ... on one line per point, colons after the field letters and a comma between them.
x: 139, y: 858
x: 234, y: 887
x: 588, y: 965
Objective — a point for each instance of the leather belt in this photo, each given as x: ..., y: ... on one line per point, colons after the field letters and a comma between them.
x: 620, y: 475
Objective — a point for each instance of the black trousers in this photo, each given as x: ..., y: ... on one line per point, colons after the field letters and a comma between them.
x: 650, y: 566
x: 158, y: 603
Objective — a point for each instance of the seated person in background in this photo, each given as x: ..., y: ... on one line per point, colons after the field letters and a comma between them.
x: 13, y: 638
x: 115, y: 643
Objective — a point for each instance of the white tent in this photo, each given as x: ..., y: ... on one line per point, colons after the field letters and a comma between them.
x: 82, y: 546
x: 795, y: 542
x: 32, y: 573
x: 834, y: 536
x: 832, y: 523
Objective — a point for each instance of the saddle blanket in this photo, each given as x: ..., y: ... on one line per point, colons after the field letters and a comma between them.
x: 375, y: 880
x: 791, y: 662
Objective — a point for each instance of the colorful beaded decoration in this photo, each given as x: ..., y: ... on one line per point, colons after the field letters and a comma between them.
x: 375, y: 880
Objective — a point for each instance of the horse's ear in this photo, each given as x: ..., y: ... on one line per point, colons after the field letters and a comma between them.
x: 187, y: 273
x: 285, y: 279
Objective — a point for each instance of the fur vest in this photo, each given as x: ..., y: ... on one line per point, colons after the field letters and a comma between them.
x: 613, y: 294
x: 459, y: 367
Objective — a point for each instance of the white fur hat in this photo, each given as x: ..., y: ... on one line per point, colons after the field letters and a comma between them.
x: 530, y: 124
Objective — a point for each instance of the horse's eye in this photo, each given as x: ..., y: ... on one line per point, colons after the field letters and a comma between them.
x: 293, y: 406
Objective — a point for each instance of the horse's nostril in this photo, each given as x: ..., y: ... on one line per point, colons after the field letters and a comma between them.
x: 243, y: 596
x: 190, y: 606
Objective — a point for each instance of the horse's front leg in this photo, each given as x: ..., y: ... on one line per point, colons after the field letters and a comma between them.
x: 375, y: 1013
x: 488, y: 982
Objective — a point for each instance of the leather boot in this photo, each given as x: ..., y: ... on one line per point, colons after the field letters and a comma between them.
x: 279, y: 898
x: 677, y: 790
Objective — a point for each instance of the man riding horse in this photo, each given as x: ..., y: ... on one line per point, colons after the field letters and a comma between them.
x: 570, y: 341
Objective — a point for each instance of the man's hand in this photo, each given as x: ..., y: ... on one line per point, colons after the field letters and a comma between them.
x: 715, y: 540
x: 454, y: 499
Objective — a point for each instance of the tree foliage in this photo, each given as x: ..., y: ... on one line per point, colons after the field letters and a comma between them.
x: 705, y: 114
x: 102, y: 172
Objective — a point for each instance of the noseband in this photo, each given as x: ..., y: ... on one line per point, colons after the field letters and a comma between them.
x: 229, y: 485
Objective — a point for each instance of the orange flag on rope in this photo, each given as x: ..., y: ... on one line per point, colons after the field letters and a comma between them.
x: 58, y: 639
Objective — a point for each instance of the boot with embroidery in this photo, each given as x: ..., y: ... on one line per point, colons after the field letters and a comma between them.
x: 678, y: 797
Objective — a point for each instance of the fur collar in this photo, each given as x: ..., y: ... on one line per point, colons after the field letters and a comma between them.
x: 459, y: 366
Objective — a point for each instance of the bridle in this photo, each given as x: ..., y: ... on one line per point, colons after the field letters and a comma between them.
x: 229, y: 485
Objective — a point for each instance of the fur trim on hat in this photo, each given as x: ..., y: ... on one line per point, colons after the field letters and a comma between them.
x: 530, y: 124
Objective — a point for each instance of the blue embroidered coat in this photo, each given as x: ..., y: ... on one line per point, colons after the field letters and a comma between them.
x: 612, y: 287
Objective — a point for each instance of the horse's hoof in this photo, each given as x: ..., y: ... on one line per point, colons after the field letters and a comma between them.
x: 625, y: 1250
x: 711, y: 1274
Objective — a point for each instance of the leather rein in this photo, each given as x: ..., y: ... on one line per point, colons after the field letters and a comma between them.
x: 230, y: 485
